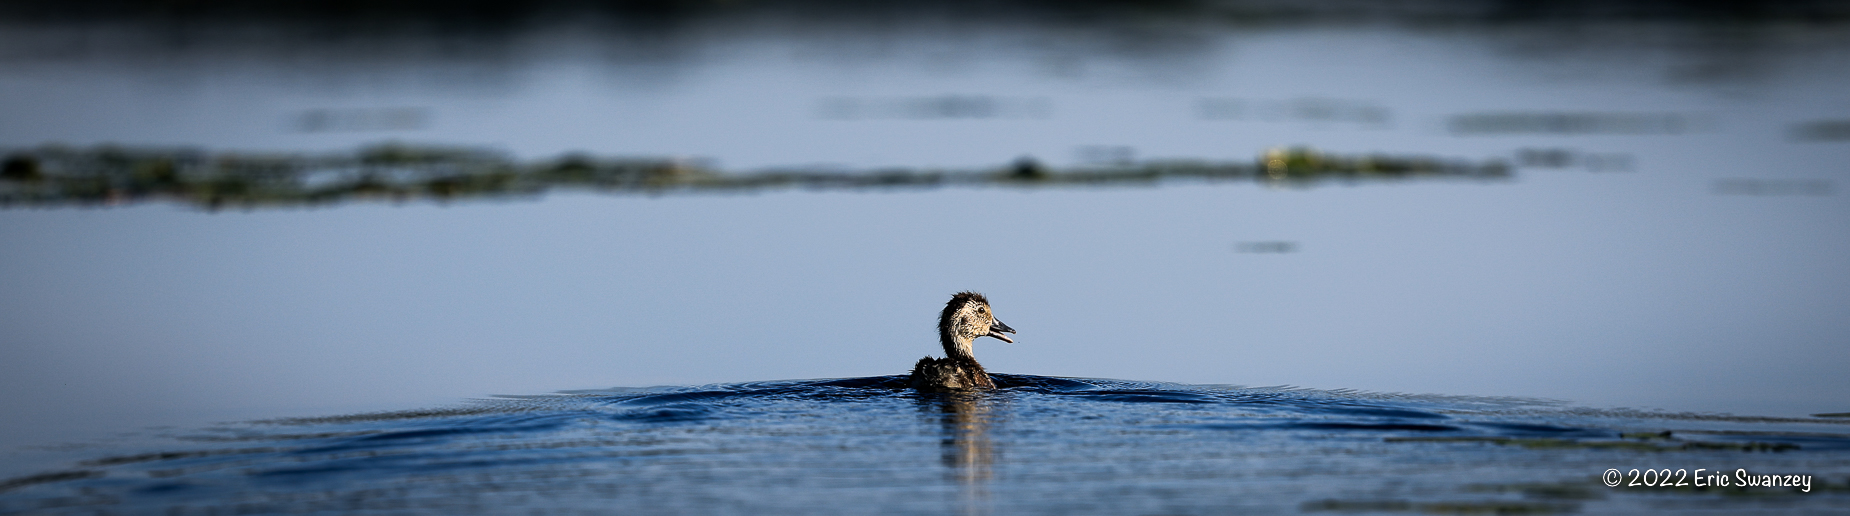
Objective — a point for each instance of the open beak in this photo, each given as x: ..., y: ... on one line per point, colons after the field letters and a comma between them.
x: 998, y: 329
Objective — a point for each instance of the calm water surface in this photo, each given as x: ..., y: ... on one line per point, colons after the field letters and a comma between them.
x: 1039, y: 445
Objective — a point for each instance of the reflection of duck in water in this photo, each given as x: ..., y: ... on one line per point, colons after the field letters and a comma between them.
x: 964, y: 319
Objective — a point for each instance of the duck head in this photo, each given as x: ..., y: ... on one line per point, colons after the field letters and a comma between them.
x: 965, y: 318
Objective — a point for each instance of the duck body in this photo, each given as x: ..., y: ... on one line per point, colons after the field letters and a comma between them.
x: 950, y: 375
x: 964, y: 319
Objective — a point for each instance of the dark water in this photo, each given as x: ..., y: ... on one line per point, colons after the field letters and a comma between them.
x: 1039, y: 445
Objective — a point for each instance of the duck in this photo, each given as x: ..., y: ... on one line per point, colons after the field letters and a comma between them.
x: 964, y: 319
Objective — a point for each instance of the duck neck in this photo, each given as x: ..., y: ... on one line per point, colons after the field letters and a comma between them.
x: 957, y: 348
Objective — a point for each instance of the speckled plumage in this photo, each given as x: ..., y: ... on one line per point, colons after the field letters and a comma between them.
x: 950, y: 375
x: 965, y: 318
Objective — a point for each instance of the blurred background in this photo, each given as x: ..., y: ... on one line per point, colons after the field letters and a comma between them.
x: 1662, y: 224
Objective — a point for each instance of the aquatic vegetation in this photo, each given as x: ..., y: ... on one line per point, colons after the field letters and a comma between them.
x: 105, y: 176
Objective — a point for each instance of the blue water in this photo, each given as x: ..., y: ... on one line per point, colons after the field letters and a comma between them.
x: 1038, y: 445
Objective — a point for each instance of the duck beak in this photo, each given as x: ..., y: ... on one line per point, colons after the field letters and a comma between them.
x: 998, y: 329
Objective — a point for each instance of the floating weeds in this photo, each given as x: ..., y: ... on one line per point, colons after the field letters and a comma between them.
x: 60, y: 176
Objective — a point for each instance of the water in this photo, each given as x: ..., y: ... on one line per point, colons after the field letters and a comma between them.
x: 1038, y: 445
x: 1650, y: 217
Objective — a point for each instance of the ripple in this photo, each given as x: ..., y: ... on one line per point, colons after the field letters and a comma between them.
x: 1036, y: 445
